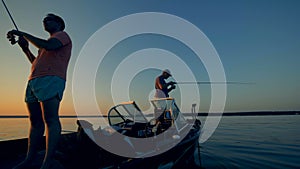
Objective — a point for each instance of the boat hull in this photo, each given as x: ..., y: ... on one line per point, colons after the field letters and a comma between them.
x: 77, y: 151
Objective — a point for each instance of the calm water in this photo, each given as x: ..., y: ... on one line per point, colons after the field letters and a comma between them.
x: 254, y: 142
x: 238, y: 142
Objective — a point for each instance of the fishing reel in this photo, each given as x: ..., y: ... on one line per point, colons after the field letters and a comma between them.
x: 12, y: 39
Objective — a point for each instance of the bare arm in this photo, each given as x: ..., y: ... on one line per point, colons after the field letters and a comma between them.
x: 160, y: 84
x: 29, y: 55
x: 23, y: 43
x: 50, y: 44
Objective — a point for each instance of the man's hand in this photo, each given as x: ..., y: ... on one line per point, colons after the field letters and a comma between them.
x: 15, y: 32
x: 172, y: 83
x: 11, y: 36
x: 173, y: 87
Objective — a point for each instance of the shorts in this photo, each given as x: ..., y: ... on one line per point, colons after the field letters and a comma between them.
x: 44, y: 88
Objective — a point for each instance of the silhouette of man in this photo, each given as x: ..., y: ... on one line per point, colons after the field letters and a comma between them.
x: 45, y: 86
x: 162, y: 88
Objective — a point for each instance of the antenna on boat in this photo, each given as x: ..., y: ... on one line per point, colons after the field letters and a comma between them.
x: 193, y: 110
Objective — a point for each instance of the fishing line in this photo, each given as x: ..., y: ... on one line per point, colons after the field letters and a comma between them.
x: 239, y: 83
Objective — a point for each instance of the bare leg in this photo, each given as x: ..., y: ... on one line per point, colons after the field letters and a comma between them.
x: 35, y: 133
x: 51, y: 118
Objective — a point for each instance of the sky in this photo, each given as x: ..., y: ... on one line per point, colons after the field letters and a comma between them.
x: 255, y: 41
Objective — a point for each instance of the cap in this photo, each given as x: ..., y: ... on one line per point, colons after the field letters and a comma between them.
x: 167, y: 71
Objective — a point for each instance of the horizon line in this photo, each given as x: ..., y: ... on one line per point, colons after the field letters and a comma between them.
x: 263, y: 112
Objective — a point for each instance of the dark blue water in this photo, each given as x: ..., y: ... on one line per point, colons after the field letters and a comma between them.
x: 238, y: 142
x: 254, y: 142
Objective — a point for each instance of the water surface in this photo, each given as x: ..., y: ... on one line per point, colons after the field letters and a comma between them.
x: 238, y: 142
x: 254, y: 142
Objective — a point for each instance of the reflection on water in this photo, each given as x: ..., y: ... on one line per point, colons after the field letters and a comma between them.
x: 15, y: 128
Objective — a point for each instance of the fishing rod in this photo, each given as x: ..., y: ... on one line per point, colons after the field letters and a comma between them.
x: 11, y: 18
x: 12, y: 38
x: 241, y: 83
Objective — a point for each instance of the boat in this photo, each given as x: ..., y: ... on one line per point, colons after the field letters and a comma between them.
x: 131, y: 139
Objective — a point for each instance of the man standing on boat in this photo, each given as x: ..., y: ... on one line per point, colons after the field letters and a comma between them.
x: 162, y: 87
x: 45, y: 86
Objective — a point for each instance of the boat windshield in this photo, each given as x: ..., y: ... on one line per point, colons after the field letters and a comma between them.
x: 168, y: 107
x: 127, y: 111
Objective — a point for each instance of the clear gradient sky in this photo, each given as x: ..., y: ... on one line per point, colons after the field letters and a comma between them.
x: 257, y: 41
